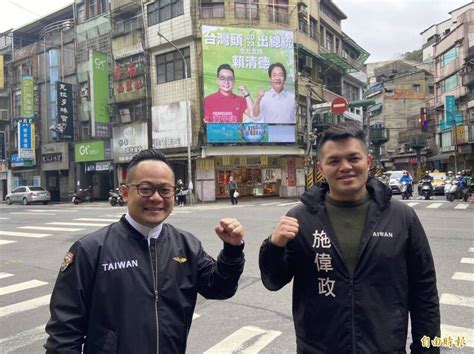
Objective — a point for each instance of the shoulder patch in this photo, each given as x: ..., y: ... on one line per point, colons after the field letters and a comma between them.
x: 68, y: 259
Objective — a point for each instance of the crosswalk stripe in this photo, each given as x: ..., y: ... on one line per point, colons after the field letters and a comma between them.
x: 285, y: 204
x: 196, y: 315
x: 52, y: 210
x: 463, y: 276
x: 467, y: 260
x: 450, y: 299
x: 22, y: 339
x: 266, y: 204
x: 455, y: 332
x: 235, y: 343
x: 22, y: 234
x: 24, y: 306
x: 412, y: 204
x: 461, y: 206
x: 47, y: 228
x: 6, y: 242
x: 75, y: 224
x: 471, y: 249
x: 4, y: 218
x: 96, y: 219
x: 434, y: 205
x: 29, y: 213
x: 5, y: 275
x: 21, y: 286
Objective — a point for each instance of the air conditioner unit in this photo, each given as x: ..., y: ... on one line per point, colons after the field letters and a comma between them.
x: 308, y: 62
x: 4, y: 114
x: 345, y: 55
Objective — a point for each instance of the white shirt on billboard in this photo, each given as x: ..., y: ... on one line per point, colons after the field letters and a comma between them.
x: 278, y: 107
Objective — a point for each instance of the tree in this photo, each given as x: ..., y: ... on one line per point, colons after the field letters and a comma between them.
x: 414, y: 55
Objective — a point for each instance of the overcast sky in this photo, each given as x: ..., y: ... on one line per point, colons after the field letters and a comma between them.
x: 385, y: 28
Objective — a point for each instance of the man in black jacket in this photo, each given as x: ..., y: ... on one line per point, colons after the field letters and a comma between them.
x: 360, y: 262
x: 131, y: 287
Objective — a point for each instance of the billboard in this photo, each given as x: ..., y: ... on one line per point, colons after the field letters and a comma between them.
x: 27, y: 97
x: 65, y: 113
x: 129, y: 140
x: 2, y: 78
x: 169, y: 125
x: 26, y: 139
x: 452, y: 116
x: 99, y: 78
x: 249, y: 85
x: 97, y: 150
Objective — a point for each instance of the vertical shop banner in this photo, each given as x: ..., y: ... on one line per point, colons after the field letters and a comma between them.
x: 99, y: 79
x: 26, y: 139
x: 242, y: 103
x: 2, y: 78
x: 65, y: 111
x: 3, y: 146
x: 169, y: 125
x: 27, y: 97
x: 129, y: 140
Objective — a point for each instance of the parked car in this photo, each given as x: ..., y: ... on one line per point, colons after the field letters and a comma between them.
x: 438, y: 182
x: 394, y: 182
x: 27, y: 195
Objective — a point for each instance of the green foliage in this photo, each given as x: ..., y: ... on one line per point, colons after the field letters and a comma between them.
x: 414, y: 55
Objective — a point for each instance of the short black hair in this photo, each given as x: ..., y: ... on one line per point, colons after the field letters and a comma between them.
x: 149, y: 154
x: 342, y: 131
x: 276, y: 65
x: 225, y: 67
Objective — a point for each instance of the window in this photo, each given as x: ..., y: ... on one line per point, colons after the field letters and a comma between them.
x: 449, y: 56
x: 212, y: 10
x: 450, y: 83
x: 302, y: 24
x: 170, y: 66
x: 431, y: 90
x: 92, y: 8
x: 127, y: 25
x: 313, y: 28
x: 278, y: 14
x: 245, y: 9
x: 163, y: 10
x: 329, y: 41
x: 416, y: 87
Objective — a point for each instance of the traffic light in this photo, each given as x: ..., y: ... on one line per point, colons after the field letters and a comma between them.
x: 424, y: 119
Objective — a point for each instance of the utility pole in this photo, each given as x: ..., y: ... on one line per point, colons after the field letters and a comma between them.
x: 309, y: 134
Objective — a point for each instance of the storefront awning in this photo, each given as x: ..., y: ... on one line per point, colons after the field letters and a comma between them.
x: 441, y: 157
x: 209, y: 151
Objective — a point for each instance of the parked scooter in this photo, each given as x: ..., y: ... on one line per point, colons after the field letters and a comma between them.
x: 405, y: 190
x: 426, y: 190
x: 115, y: 197
x: 83, y: 195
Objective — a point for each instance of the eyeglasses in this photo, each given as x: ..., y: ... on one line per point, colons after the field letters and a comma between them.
x: 226, y: 78
x: 147, y: 190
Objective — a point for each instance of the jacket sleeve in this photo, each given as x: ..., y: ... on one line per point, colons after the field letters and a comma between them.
x: 69, y: 305
x: 219, y: 279
x: 276, y: 267
x: 422, y: 291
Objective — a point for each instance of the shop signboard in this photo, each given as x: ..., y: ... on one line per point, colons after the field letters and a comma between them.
x: 97, y: 150
x: 3, y: 146
x: 27, y: 97
x: 99, y: 78
x: 17, y: 161
x: 129, y: 140
x: 249, y: 85
x: 169, y: 125
x: 26, y: 139
x: 65, y: 112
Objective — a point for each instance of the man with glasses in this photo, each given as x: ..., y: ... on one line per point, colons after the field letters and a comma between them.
x: 224, y: 106
x: 131, y: 287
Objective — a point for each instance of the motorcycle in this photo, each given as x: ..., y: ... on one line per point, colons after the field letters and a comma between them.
x: 451, y: 190
x: 115, y: 197
x: 405, y: 191
x: 83, y: 195
x: 426, y: 190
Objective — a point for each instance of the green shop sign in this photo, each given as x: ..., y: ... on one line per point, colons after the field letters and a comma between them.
x: 89, y: 151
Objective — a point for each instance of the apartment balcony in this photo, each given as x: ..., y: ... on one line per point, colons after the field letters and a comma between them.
x: 468, y: 80
x: 122, y: 6
x: 379, y: 136
x: 417, y: 142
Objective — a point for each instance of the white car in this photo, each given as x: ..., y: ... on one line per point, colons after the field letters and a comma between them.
x: 28, y: 194
x: 394, y: 183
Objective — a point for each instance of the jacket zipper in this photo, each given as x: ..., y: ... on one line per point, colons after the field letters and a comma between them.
x: 351, y: 294
x: 155, y: 292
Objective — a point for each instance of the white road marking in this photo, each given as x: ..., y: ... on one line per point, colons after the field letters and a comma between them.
x: 29, y: 213
x: 195, y: 315
x: 266, y: 204
x: 4, y: 218
x: 256, y: 338
x: 434, y: 205
x: 5, y: 275
x: 449, y: 299
x: 412, y: 204
x: 6, y: 242
x: 46, y: 228
x: 52, y: 210
x: 22, y: 234
x: 455, y: 332
x: 471, y: 249
x: 96, y: 219
x: 285, y: 204
x: 22, y: 339
x: 463, y: 276
x: 467, y: 260
x: 461, y: 206
x: 32, y: 304
x: 5, y: 290
x: 75, y: 224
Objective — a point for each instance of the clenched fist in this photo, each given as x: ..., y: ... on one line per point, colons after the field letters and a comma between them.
x: 285, y: 231
x: 230, y: 230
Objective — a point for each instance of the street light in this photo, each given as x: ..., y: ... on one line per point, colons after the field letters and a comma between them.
x: 188, y: 113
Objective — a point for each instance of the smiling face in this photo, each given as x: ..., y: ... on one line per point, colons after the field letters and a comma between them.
x: 225, y: 81
x: 277, y: 79
x: 345, y: 165
x: 153, y: 210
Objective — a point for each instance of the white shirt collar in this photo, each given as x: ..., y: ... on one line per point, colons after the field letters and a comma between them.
x: 147, y: 232
x: 282, y: 92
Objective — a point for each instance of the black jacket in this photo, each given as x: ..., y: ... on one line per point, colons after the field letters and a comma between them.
x: 106, y: 298
x: 335, y: 312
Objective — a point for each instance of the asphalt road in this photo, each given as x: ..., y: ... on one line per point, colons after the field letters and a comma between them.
x: 254, y: 320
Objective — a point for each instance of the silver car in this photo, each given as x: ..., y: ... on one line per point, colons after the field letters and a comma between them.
x: 27, y: 195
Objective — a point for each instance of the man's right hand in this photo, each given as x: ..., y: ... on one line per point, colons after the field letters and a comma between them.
x: 285, y: 231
